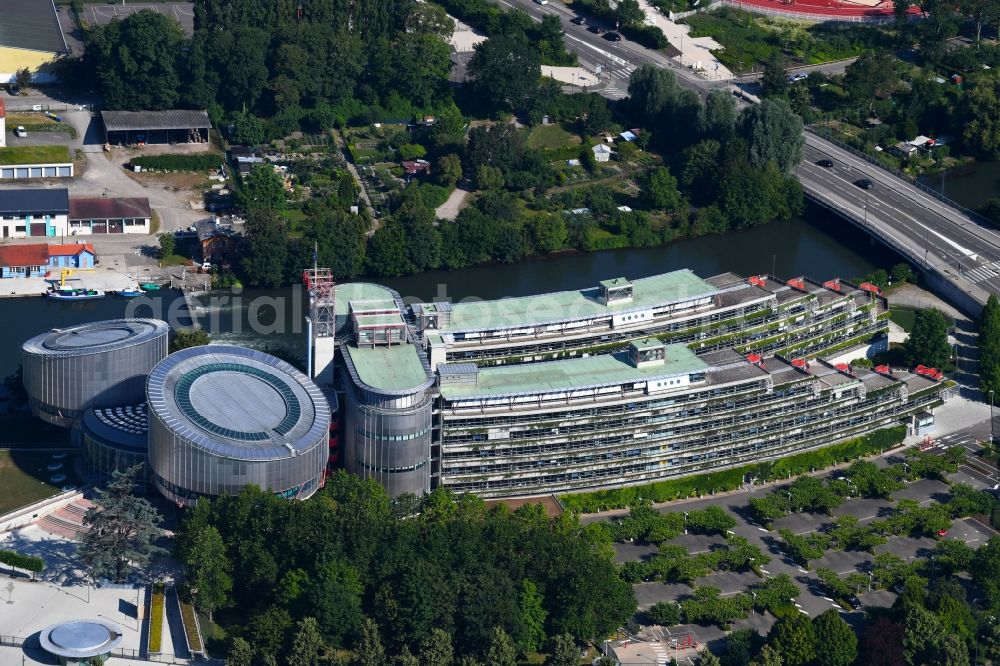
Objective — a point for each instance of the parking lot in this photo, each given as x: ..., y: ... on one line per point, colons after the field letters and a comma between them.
x: 103, y: 14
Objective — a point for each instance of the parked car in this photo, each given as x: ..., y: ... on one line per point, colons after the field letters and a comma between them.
x: 541, y: 2
x: 865, y: 184
x: 942, y: 534
x: 20, y: 132
x: 578, y: 20
x: 825, y: 163
x: 854, y: 602
x: 794, y: 78
x: 596, y: 29
x: 14, y: 89
x: 206, y: 267
x: 612, y: 36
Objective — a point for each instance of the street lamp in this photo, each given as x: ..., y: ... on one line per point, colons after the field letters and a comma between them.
x: 871, y: 577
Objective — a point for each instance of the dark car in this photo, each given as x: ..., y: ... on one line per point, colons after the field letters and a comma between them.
x: 612, y: 36
x: 825, y: 163
x: 594, y: 29
x: 865, y: 184
x: 854, y: 602
x: 578, y: 20
x: 14, y: 89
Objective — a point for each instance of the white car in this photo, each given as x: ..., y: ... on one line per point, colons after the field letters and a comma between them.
x: 20, y: 132
x: 794, y: 78
x: 541, y: 2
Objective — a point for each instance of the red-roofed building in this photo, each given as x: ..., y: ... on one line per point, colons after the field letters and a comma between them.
x: 35, y: 259
x: 108, y: 215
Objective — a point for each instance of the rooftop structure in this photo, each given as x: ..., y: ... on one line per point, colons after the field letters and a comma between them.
x: 142, y: 127
x: 116, y: 438
x: 223, y: 416
x: 89, y: 208
x: 34, y: 201
x: 80, y: 641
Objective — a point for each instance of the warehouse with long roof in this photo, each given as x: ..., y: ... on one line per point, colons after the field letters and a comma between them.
x: 30, y: 38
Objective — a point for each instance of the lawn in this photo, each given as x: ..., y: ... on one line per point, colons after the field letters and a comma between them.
x: 904, y: 315
x: 24, y: 478
x: 551, y: 136
x: 47, y: 154
x: 749, y: 41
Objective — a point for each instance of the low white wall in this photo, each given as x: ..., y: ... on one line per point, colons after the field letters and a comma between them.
x: 33, y: 512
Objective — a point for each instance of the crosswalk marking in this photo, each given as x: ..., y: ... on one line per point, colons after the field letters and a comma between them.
x: 982, y: 273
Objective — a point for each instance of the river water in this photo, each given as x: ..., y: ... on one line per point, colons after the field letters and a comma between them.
x: 970, y: 187
x: 817, y: 244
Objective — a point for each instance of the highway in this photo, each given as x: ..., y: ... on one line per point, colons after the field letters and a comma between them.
x: 961, y: 256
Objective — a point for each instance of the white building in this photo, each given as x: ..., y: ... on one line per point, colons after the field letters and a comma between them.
x: 602, y: 152
x: 35, y: 213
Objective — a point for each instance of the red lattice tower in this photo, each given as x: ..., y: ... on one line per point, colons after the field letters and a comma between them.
x: 319, y: 282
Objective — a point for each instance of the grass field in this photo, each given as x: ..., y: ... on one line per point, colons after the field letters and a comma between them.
x: 903, y: 315
x: 551, y: 136
x: 24, y: 479
x: 34, y: 155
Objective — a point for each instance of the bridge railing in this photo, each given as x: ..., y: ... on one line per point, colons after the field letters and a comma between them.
x: 896, y: 172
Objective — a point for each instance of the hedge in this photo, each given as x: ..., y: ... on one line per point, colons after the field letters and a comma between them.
x: 179, y: 162
x: 731, y: 479
x: 156, y: 618
x: 26, y: 562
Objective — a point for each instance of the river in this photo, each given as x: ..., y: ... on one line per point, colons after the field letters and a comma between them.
x: 817, y: 244
x: 971, y: 186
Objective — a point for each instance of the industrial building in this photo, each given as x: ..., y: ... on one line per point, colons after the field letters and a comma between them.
x: 627, y: 382
x: 101, y: 364
x: 30, y: 38
x: 34, y: 212
x: 222, y: 417
x: 109, y: 215
x: 138, y: 128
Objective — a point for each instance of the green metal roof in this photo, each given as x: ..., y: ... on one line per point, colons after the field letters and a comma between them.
x: 574, y: 373
x: 647, y: 343
x: 358, y: 291
x: 379, y: 320
x: 361, y: 305
x: 389, y: 368
x: 573, y: 305
x: 615, y: 282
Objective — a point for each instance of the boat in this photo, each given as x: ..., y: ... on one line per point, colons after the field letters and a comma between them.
x: 131, y: 292
x: 150, y: 286
x: 75, y: 294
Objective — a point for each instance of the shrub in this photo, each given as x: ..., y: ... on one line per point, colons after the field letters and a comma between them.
x: 156, y: 618
x: 26, y: 562
x: 664, y: 613
x: 179, y: 162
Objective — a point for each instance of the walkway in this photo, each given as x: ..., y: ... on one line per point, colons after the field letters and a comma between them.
x: 354, y: 174
x: 696, y: 52
x: 456, y: 202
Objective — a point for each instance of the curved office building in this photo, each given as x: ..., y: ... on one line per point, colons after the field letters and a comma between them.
x: 389, y: 397
x: 116, y: 438
x: 100, y: 364
x: 222, y: 417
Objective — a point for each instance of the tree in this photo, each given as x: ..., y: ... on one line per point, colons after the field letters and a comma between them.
x: 881, y: 644
x: 836, y: 644
x: 504, y: 72
x: 928, y: 340
x: 208, y: 570
x: 436, y: 650
x: 989, y: 348
x: 774, y: 81
x: 629, y: 13
x: 768, y: 656
x: 248, y: 129
x: 335, y: 600
x: 774, y: 134
x: 121, y: 529
x: 188, y: 337
x: 263, y: 187
x: 267, y: 248
x: 740, y: 647
x: 430, y: 19
x: 501, y: 651
x: 664, y: 613
x: 22, y: 78
x: 240, y: 653
x: 794, y: 639
x: 868, y: 77
x: 983, y: 12
x: 167, y: 245
x: 449, y: 169
x: 307, y: 645
x: 532, y: 617
x: 706, y: 658
x: 651, y: 89
x: 136, y: 61
x: 564, y: 652
x: 660, y: 191
x: 982, y: 108
x: 489, y: 178
x: 718, y: 116
x: 370, y: 651
x: 922, y: 637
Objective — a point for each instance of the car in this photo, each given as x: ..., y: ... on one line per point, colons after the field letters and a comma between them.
x: 854, y: 602
x: 20, y: 132
x: 612, y: 36
x: 207, y: 266
x: 795, y: 78
x: 596, y: 29
x: 578, y: 20
x: 828, y: 164
x: 14, y: 89
x: 541, y: 2
x: 941, y: 534
x: 865, y: 184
